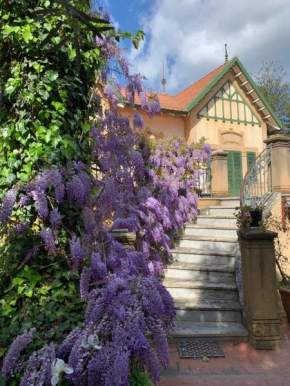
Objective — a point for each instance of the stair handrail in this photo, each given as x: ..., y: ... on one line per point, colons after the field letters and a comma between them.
x: 257, y: 183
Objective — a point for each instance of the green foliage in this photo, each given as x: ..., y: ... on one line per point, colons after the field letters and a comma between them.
x: 271, y: 79
x: 44, y: 294
x: 139, y: 378
x: 46, y: 93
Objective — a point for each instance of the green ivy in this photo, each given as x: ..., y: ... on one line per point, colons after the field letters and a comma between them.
x: 44, y: 111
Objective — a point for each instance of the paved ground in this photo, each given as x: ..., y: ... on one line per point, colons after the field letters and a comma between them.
x: 242, y: 366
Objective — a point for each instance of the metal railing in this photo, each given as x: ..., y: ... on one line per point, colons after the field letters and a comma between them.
x: 257, y: 184
x: 204, y: 181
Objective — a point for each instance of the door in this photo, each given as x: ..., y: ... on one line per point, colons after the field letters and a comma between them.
x: 235, y: 173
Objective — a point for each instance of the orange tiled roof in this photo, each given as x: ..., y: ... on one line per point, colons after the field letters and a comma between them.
x: 179, y: 101
x: 187, y: 95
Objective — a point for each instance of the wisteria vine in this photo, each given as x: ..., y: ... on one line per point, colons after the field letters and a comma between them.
x: 146, y: 188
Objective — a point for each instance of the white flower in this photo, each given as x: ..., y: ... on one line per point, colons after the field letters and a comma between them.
x: 92, y: 341
x: 57, y: 368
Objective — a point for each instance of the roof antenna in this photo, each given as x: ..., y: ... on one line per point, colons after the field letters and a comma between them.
x: 163, y: 81
x: 226, y: 54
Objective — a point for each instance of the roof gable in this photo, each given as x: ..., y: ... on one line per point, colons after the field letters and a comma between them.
x: 228, y: 104
x: 250, y: 88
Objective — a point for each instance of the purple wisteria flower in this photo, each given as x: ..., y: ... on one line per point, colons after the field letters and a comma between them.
x: 24, y: 200
x: 89, y: 220
x: 78, y: 253
x: 38, y: 369
x: 138, y: 121
x: 76, y: 190
x: 110, y: 93
x: 55, y: 219
x: 143, y: 100
x: 85, y: 282
x: 40, y: 198
x: 49, y: 240
x: 7, y: 205
x: 56, y: 180
x: 12, y: 362
x: 153, y: 106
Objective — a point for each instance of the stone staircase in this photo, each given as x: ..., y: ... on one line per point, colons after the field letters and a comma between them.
x: 201, y: 277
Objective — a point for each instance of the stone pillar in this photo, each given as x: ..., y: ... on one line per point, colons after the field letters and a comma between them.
x: 260, y: 288
x: 280, y: 162
x: 219, y: 174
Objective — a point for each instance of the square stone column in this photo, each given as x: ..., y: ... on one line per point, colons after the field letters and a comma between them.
x: 260, y: 288
x: 219, y: 173
x: 280, y: 162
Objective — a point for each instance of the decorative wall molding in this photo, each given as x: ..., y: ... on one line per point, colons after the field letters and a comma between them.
x: 232, y: 137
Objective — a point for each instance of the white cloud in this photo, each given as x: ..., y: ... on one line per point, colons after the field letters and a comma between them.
x: 189, y: 35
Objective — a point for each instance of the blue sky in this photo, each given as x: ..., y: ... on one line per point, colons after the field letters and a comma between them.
x: 189, y: 36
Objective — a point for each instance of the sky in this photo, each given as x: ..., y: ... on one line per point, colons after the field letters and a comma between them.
x: 189, y: 36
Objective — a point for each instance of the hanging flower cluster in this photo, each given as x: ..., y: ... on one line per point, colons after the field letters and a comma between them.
x: 147, y: 189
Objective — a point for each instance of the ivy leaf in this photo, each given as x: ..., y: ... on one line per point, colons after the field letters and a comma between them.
x: 27, y: 35
x: 72, y: 54
x: 44, y: 94
x: 33, y: 276
x: 51, y: 75
x: 28, y: 293
x: 17, y: 281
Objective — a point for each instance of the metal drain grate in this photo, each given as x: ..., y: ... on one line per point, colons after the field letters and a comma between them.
x: 200, y: 350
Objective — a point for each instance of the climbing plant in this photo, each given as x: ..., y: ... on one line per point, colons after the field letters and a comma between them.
x: 64, y: 213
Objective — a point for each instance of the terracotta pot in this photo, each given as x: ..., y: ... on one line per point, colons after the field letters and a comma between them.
x: 285, y: 296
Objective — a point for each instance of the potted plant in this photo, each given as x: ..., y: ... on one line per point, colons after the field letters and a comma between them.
x: 248, y: 217
x: 243, y: 216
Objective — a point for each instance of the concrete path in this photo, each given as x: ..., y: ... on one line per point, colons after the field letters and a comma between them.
x: 242, y: 366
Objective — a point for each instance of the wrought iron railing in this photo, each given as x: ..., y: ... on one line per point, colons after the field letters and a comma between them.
x: 257, y: 184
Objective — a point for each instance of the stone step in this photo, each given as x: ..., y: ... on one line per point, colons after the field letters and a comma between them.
x: 218, y: 210
x: 224, y: 244
x: 216, y: 220
x: 210, y: 230
x: 190, y: 271
x: 217, y: 331
x: 207, y: 310
x: 230, y: 201
x: 202, y: 256
x: 201, y: 290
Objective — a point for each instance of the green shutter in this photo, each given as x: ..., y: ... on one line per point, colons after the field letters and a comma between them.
x: 235, y: 173
x: 251, y: 157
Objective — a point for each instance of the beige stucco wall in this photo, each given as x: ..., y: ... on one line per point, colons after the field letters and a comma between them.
x: 226, y: 135
x: 163, y: 125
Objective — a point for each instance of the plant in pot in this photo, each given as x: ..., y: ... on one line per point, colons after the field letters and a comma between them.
x: 243, y: 216
x: 282, y: 248
x: 248, y: 217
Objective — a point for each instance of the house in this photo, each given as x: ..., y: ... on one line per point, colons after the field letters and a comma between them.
x: 227, y: 108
